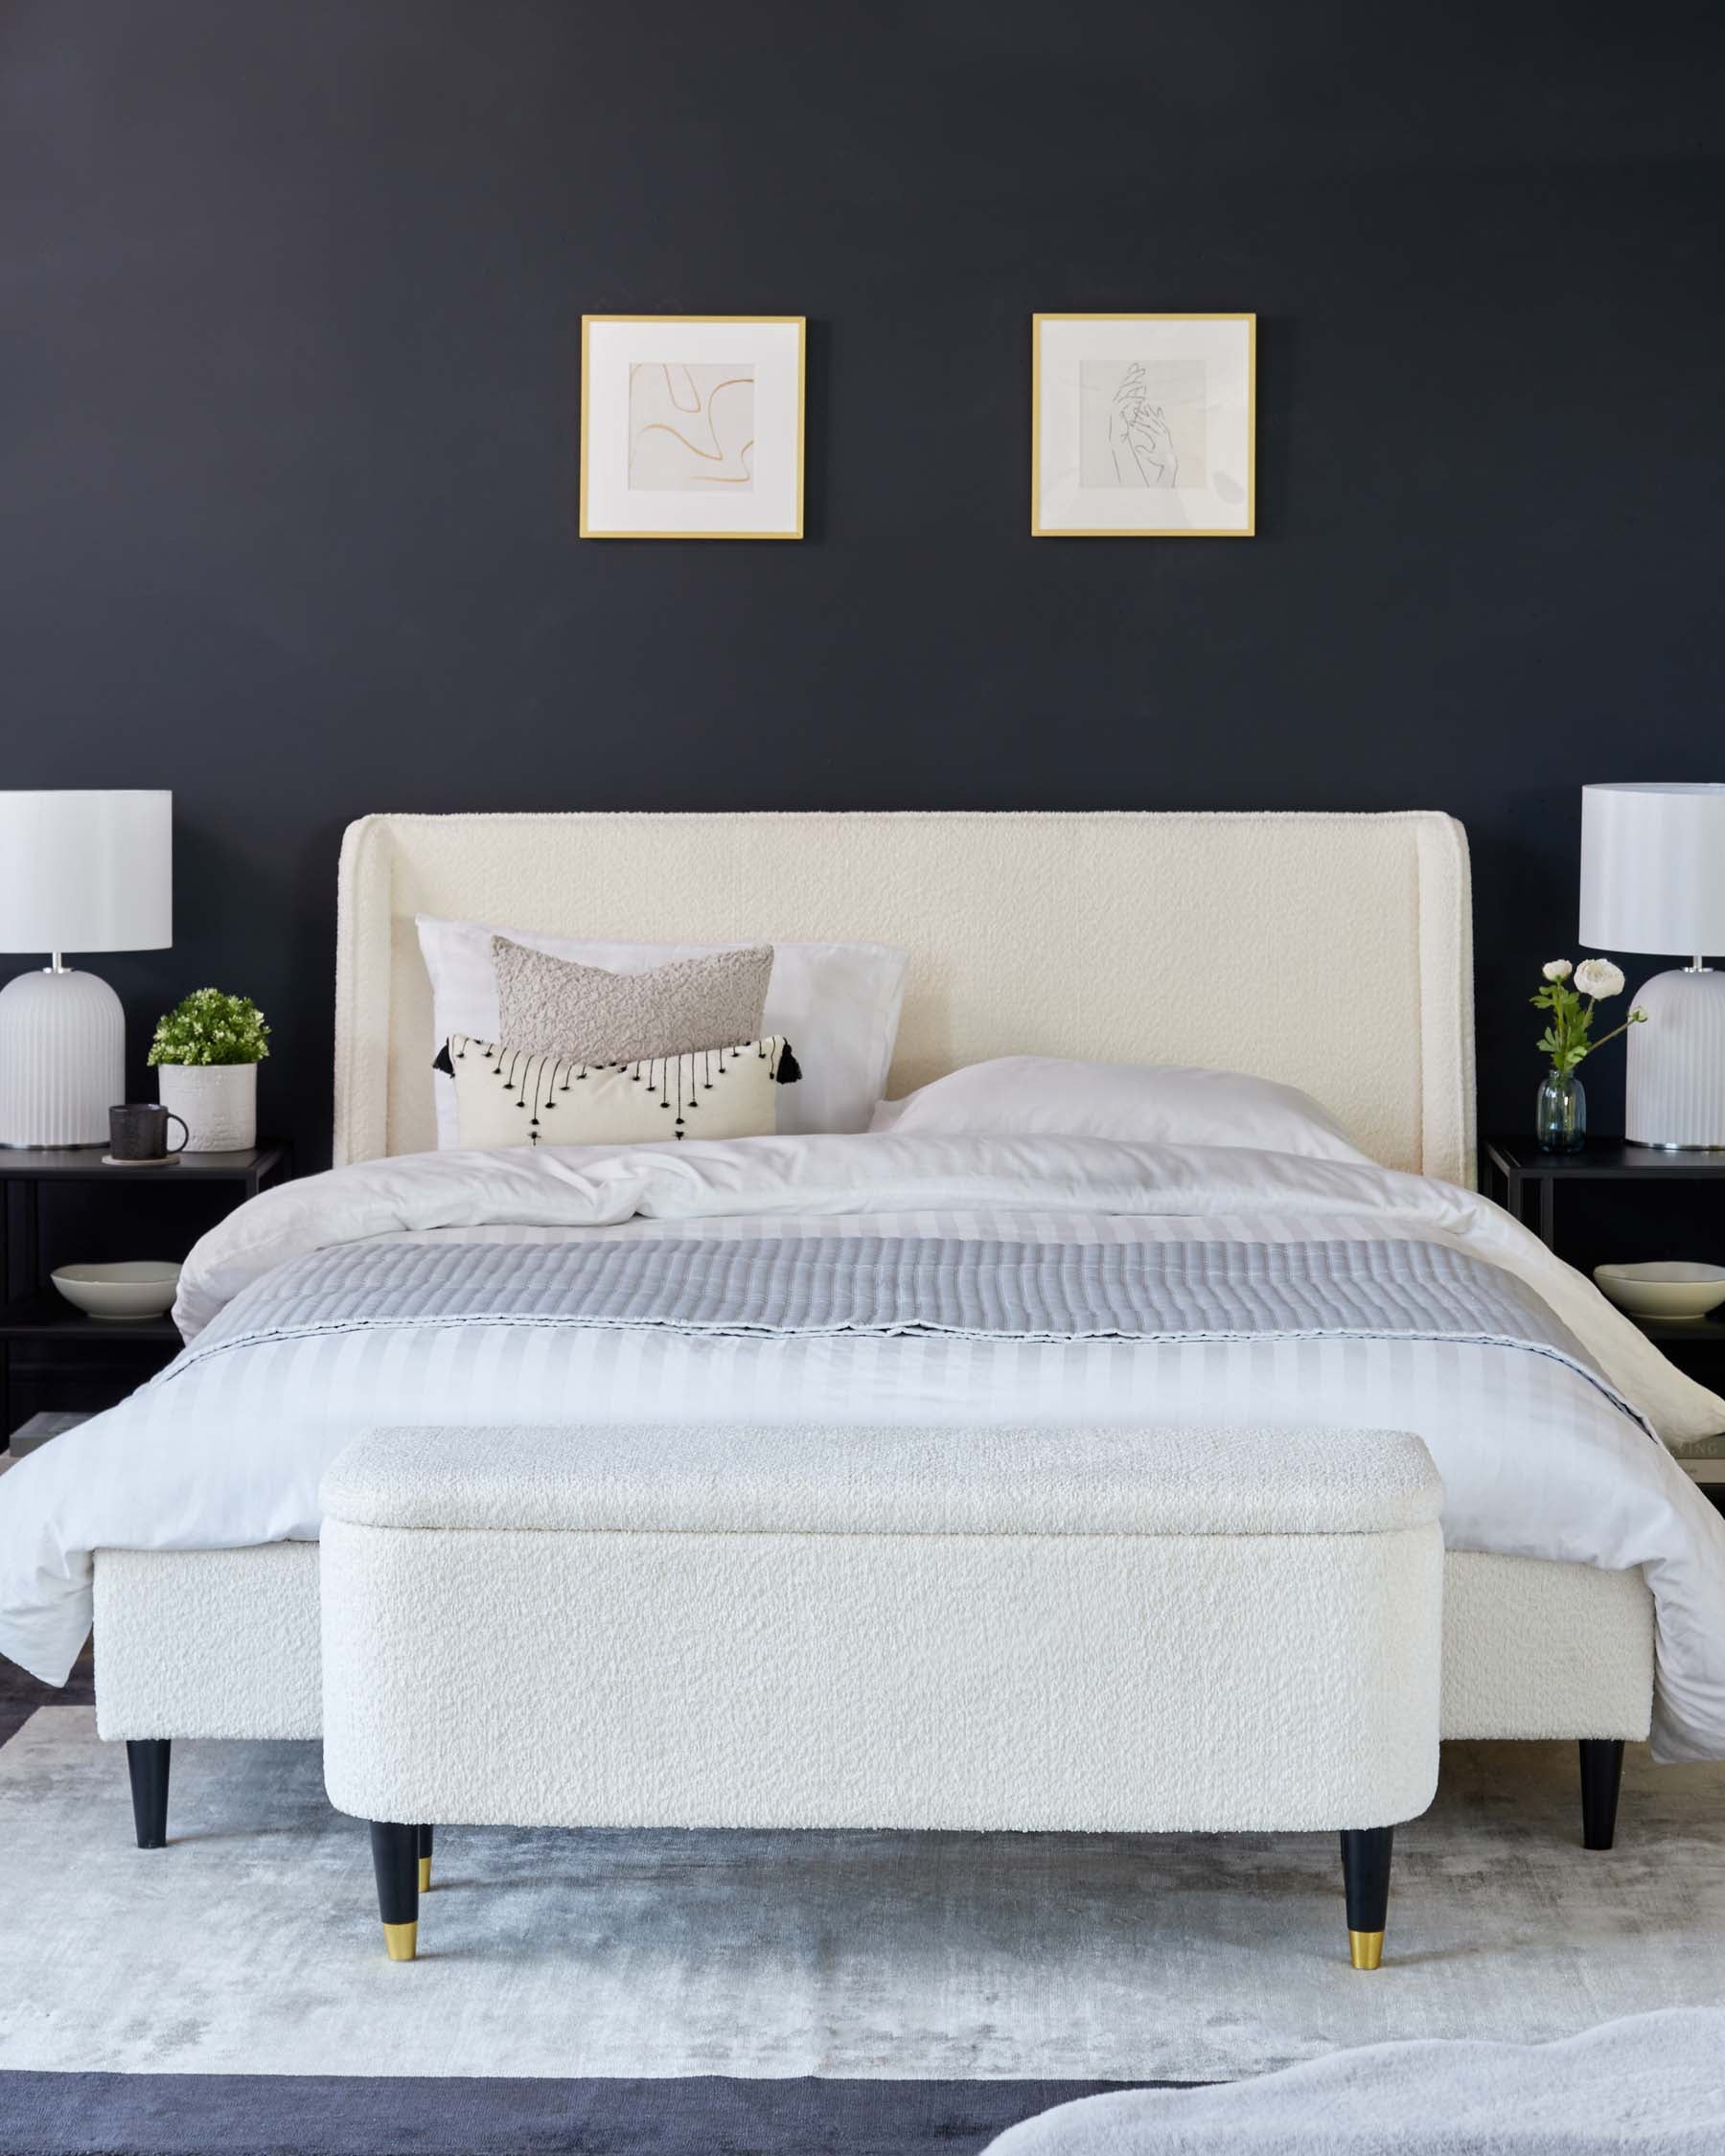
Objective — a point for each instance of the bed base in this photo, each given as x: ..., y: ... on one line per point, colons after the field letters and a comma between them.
x: 225, y: 1643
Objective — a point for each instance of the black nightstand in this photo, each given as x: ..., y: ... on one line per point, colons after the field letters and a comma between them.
x: 93, y: 1357
x: 1687, y: 1185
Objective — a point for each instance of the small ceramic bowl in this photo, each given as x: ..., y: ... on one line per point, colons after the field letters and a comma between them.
x: 1668, y: 1289
x: 138, y: 1288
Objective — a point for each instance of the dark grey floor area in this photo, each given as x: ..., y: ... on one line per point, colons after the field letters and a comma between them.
x: 21, y: 1694
x: 701, y: 2115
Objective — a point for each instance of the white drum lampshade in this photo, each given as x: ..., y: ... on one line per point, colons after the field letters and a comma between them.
x: 78, y: 871
x: 1653, y: 878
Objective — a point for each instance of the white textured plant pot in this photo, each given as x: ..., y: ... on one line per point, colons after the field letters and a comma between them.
x: 218, y: 1102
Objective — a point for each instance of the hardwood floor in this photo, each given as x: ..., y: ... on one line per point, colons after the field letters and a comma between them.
x: 20, y: 1693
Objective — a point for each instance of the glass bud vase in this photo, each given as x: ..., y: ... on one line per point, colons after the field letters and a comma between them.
x: 1560, y: 1114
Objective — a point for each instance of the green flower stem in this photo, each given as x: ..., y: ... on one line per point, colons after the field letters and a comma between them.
x: 1566, y: 1039
x: 1635, y: 1018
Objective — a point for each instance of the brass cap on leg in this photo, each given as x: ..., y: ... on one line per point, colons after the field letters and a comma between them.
x: 401, y: 1940
x: 425, y: 1865
x: 1365, y: 1949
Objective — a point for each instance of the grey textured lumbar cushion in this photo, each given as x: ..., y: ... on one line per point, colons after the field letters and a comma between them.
x: 551, y: 1006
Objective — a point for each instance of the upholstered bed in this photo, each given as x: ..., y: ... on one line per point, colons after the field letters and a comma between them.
x: 1330, y: 953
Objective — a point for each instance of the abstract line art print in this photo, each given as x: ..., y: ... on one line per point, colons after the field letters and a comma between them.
x: 692, y: 426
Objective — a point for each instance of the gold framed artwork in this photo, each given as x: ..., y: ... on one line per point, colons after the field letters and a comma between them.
x: 1142, y: 426
x: 692, y: 426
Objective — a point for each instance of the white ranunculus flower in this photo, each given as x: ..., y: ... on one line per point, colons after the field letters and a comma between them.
x: 1599, y: 976
x: 1559, y: 969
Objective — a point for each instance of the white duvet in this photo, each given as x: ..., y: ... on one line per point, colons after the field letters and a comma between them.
x: 1535, y: 1459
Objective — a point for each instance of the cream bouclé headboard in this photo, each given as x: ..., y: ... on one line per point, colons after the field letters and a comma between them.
x: 1334, y: 952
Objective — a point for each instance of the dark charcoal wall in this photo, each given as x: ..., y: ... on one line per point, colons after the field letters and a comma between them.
x: 291, y: 293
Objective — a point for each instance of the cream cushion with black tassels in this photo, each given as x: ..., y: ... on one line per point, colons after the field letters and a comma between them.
x: 510, y: 1096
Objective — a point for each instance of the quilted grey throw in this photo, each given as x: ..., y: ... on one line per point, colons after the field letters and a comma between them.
x: 796, y: 1285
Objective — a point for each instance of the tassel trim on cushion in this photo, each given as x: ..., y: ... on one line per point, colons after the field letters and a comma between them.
x: 679, y: 1081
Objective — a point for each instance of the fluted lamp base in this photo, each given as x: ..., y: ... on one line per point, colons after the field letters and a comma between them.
x: 62, y: 1059
x: 1674, y: 1094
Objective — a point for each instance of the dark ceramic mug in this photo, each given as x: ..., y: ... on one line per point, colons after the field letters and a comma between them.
x: 139, y: 1131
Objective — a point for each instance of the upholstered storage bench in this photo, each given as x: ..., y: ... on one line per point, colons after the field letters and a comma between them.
x: 1104, y: 1630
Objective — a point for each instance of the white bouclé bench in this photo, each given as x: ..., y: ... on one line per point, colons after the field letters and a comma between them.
x: 1107, y: 1630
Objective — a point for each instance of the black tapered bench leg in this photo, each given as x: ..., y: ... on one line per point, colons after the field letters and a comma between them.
x: 1365, y: 1876
x: 146, y: 1763
x: 395, y: 1859
x: 424, y: 1859
x: 1602, y: 1777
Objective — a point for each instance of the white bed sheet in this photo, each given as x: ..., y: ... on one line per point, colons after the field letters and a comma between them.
x: 229, y: 1452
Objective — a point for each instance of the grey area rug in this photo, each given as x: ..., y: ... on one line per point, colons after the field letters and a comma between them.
x: 1653, y: 2085
x: 250, y: 1944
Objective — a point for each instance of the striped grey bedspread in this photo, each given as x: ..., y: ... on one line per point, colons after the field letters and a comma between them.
x: 896, y: 1285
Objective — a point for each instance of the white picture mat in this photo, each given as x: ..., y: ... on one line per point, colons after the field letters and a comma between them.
x: 773, y: 348
x: 1223, y: 344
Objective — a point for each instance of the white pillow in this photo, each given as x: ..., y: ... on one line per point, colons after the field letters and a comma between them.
x: 836, y: 1004
x: 1047, y: 1097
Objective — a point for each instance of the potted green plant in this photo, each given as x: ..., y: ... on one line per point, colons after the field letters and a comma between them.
x: 205, y: 1053
x: 1560, y: 1111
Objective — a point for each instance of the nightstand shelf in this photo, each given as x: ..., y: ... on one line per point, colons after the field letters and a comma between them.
x: 1682, y: 1332
x: 1526, y: 1183
x: 47, y: 1315
x: 48, y: 1347
x: 252, y: 1166
x: 1523, y: 1171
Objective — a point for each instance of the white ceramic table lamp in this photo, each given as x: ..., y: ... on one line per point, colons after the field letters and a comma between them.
x: 78, y: 871
x: 1653, y: 878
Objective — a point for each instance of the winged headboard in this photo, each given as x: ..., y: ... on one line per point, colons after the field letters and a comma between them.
x: 1332, y: 951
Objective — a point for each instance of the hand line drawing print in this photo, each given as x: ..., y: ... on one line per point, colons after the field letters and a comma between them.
x: 1140, y: 439
x: 674, y: 460
x: 1142, y: 426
